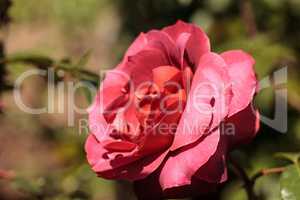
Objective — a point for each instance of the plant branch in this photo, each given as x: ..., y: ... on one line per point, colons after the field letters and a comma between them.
x: 265, y: 172
x: 248, y: 183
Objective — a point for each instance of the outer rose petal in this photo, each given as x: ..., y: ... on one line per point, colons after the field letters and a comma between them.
x: 246, y: 125
x: 149, y: 189
x: 207, y: 103
x: 138, y: 45
x: 242, y: 75
x: 198, y: 43
x: 132, y: 168
x: 215, y: 170
x: 179, y: 169
x: 97, y: 123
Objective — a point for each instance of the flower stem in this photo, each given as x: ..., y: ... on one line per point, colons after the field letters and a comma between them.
x: 248, y: 183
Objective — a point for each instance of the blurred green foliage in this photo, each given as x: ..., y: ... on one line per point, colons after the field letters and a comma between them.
x: 275, y: 44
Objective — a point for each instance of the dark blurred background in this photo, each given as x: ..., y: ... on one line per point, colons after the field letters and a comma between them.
x: 43, y: 158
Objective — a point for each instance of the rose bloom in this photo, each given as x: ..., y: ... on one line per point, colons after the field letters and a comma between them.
x: 169, y: 113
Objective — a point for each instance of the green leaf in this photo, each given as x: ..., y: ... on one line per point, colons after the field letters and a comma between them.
x: 294, y: 157
x: 233, y: 191
x: 289, y: 184
x: 84, y: 59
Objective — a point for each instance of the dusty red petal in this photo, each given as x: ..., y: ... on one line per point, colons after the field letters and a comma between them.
x: 246, y: 125
x: 182, y: 42
x: 149, y: 189
x: 97, y: 123
x: 138, y: 45
x: 139, y: 67
x: 163, y: 74
x: 198, y: 43
x: 179, y: 169
x: 93, y: 149
x: 187, y: 78
x: 100, y: 159
x: 242, y: 75
x: 215, y: 170
x: 162, y: 41
x: 120, y: 166
x: 119, y: 146
x: 139, y: 169
x: 207, y: 103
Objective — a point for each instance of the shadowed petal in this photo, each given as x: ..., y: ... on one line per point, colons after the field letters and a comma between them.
x: 246, y: 125
x: 198, y: 43
x: 179, y: 168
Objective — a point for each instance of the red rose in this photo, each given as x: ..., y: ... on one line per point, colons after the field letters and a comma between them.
x: 168, y: 114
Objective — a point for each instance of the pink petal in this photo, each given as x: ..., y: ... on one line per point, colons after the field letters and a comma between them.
x: 149, y: 189
x: 181, y: 43
x: 139, y: 67
x: 198, y: 43
x: 97, y: 123
x: 246, y: 125
x: 180, y: 167
x: 119, y: 146
x: 215, y: 170
x: 162, y: 41
x: 163, y: 74
x: 207, y: 103
x: 101, y: 160
x: 129, y: 167
x: 138, y: 45
x: 242, y: 75
x: 94, y: 150
x: 140, y: 168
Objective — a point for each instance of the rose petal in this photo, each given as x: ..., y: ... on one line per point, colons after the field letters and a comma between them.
x: 246, y: 125
x: 119, y: 146
x: 139, y: 67
x: 179, y: 168
x: 181, y: 43
x: 163, y: 74
x: 198, y: 43
x: 162, y: 41
x: 130, y: 167
x: 140, y: 168
x: 138, y: 45
x: 207, y: 103
x: 242, y: 75
x: 149, y: 189
x: 215, y: 170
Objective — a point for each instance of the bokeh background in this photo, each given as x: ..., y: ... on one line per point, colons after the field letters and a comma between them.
x: 43, y: 158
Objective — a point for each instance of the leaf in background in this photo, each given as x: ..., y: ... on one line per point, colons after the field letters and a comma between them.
x: 268, y: 187
x: 84, y: 59
x: 294, y: 157
x: 27, y: 186
x: 234, y: 191
x: 218, y: 5
x: 289, y: 184
x: 203, y: 19
x: 274, y: 4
